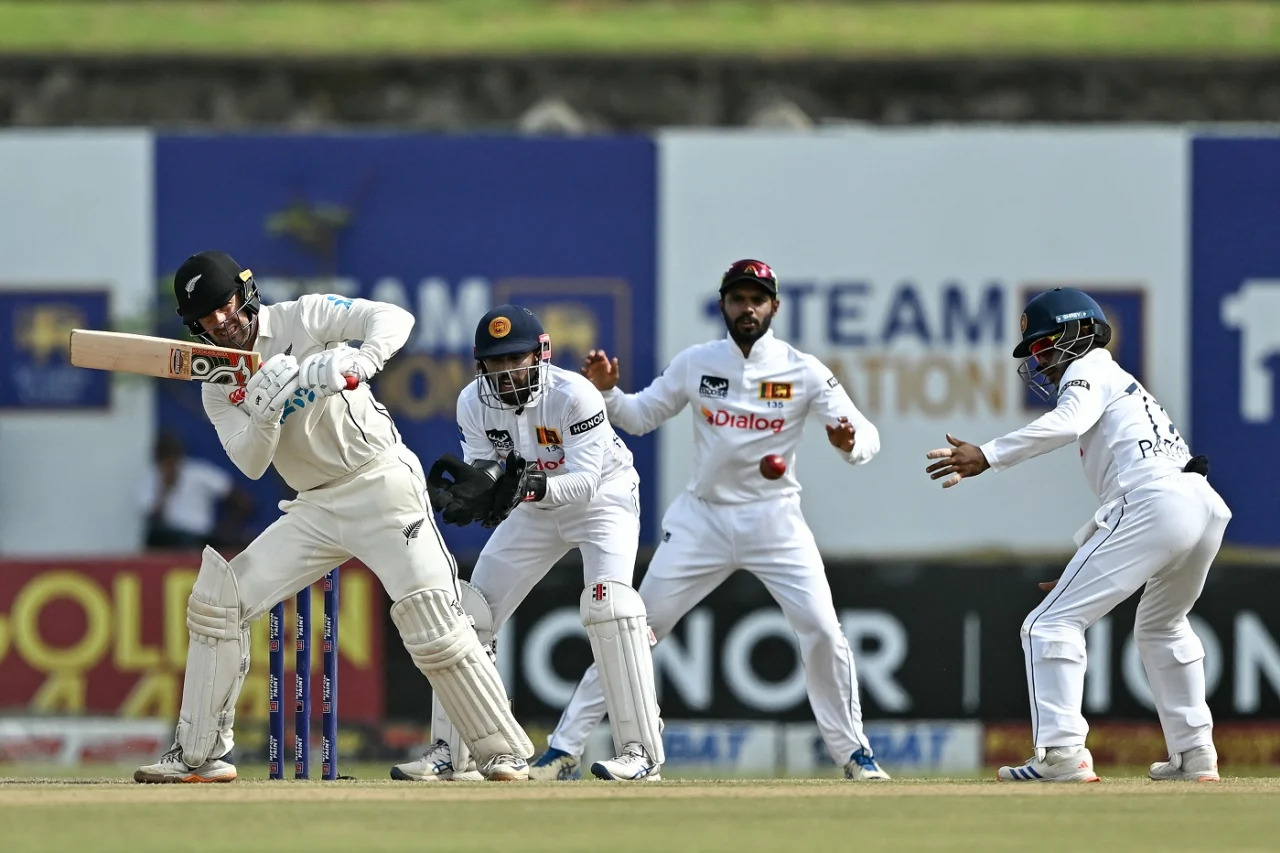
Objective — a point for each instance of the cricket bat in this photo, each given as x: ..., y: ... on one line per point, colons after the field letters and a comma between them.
x: 162, y: 357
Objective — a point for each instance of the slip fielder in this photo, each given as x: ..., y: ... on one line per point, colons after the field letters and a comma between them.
x: 752, y: 394
x: 1158, y: 529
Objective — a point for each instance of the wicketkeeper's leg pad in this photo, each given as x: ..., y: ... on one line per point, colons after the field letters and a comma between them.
x: 444, y: 646
x: 217, y: 659
x: 614, y: 616
x: 475, y: 606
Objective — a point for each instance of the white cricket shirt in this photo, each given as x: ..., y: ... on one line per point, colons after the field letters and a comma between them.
x: 1126, y: 437
x: 317, y: 439
x: 745, y: 408
x: 565, y: 432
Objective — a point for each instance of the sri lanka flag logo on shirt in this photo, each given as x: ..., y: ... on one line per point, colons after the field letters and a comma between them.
x: 775, y: 390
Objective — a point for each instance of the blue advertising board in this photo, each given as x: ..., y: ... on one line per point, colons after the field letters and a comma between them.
x: 446, y: 227
x: 35, y: 336
x: 1235, y: 325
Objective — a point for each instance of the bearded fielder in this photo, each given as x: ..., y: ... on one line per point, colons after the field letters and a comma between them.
x: 361, y: 493
x: 1159, y: 528
x: 572, y: 483
x: 753, y: 394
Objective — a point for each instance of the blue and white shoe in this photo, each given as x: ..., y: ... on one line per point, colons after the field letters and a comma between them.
x: 862, y: 767
x: 1055, y: 764
x: 556, y: 765
x: 633, y: 765
x: 435, y: 765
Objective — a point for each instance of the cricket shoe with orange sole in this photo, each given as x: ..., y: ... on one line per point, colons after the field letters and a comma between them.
x: 1055, y: 764
x: 172, y: 769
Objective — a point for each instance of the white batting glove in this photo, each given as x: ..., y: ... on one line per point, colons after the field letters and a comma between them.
x: 267, y: 391
x: 326, y: 372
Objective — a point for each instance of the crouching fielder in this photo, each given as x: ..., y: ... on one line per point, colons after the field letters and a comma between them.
x: 361, y: 493
x: 571, y: 482
x: 1159, y: 527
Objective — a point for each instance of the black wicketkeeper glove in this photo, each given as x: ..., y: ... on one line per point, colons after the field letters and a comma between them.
x: 519, y: 483
x: 468, y: 496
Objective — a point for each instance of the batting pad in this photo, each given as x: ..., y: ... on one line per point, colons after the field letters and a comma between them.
x: 217, y: 659
x: 475, y: 606
x: 443, y: 644
x: 616, y: 621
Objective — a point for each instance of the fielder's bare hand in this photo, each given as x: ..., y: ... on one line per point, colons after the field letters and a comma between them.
x: 1047, y: 586
x: 841, y: 435
x: 956, y: 462
x: 602, y: 372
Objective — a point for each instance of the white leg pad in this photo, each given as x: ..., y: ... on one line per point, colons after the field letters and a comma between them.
x: 443, y: 644
x: 615, y: 618
x: 474, y: 605
x: 217, y: 660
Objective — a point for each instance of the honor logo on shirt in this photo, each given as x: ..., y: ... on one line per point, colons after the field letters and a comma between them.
x: 589, y: 424
x: 713, y: 386
x: 501, y: 440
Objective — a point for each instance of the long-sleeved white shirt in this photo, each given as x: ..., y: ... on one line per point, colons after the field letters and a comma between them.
x: 1126, y: 437
x: 745, y: 409
x: 317, y: 439
x: 565, y: 433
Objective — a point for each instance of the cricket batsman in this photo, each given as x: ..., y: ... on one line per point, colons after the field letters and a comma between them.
x: 573, y: 485
x: 1158, y: 529
x: 752, y: 393
x: 361, y: 493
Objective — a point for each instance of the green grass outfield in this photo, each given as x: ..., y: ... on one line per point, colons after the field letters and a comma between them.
x: 1122, y: 813
x: 765, y: 27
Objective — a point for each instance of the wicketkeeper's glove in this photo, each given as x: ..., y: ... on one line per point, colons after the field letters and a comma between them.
x: 519, y: 483
x: 468, y: 496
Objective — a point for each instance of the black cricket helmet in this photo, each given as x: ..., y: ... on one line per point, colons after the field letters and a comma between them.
x: 204, y: 283
x: 1058, y: 326
x: 505, y: 331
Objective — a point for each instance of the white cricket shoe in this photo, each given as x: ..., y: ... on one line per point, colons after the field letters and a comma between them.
x: 633, y: 765
x: 435, y: 765
x: 171, y: 768
x: 1055, y: 764
x: 555, y: 765
x: 1194, y: 765
x: 505, y: 767
x: 862, y: 767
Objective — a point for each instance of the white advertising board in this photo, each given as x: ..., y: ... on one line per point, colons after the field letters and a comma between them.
x: 905, y: 258
x: 76, y: 215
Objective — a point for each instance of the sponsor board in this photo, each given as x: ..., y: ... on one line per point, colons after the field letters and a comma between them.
x: 904, y: 259
x: 75, y: 249
x: 1235, y: 325
x: 445, y: 227
x: 110, y: 637
x: 82, y: 740
x: 918, y: 746
x: 930, y: 640
x: 1122, y: 744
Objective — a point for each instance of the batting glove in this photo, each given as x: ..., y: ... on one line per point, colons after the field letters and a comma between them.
x: 326, y: 372
x: 267, y: 391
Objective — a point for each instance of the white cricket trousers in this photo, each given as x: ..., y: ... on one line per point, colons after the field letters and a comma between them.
x: 378, y: 514
x: 531, y: 540
x: 1164, y: 536
x: 703, y: 543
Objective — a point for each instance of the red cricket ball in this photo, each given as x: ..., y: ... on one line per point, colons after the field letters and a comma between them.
x: 772, y: 466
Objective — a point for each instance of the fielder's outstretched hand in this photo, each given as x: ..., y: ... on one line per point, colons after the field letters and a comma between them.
x: 956, y: 462
x: 841, y: 435
x: 602, y: 372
